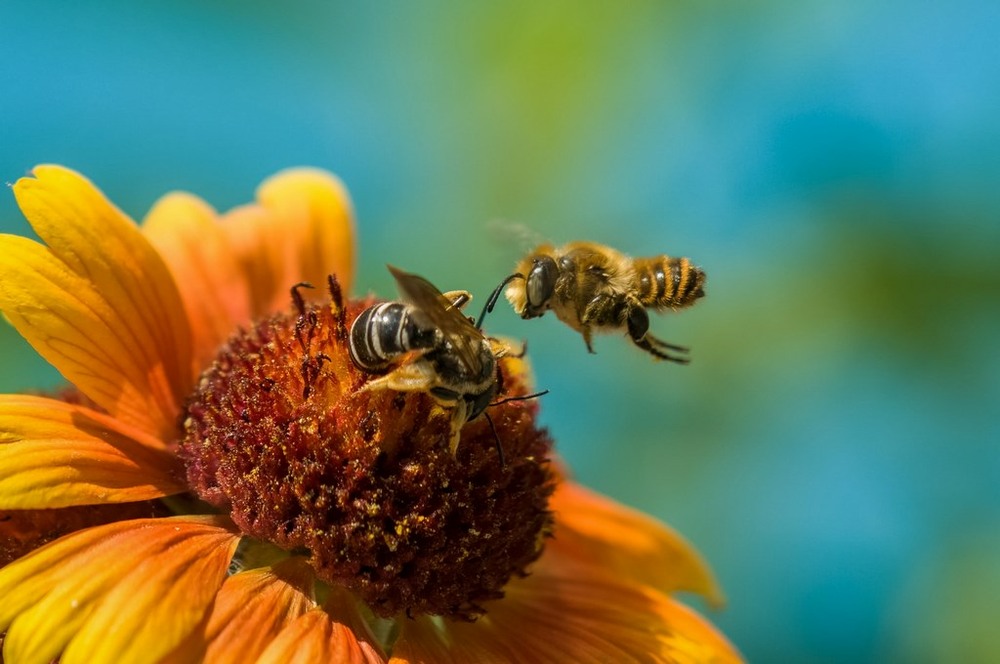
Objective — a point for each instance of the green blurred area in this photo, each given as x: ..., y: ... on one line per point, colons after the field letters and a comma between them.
x: 834, y: 448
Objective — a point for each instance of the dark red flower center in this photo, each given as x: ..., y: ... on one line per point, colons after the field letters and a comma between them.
x: 363, y: 482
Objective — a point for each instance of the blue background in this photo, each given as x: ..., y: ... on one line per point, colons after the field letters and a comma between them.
x: 834, y: 448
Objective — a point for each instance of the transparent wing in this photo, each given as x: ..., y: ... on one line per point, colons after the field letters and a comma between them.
x: 457, y: 329
x: 514, y: 235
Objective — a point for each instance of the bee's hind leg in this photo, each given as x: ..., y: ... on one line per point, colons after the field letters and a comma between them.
x: 413, y: 377
x: 638, y: 330
x: 663, y: 344
x: 652, y: 345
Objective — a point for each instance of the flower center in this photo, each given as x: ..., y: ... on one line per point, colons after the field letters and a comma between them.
x: 363, y: 482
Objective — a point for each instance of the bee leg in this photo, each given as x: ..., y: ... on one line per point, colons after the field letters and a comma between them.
x: 663, y: 344
x: 638, y: 330
x: 382, y: 383
x: 647, y: 344
x: 459, y: 416
x: 415, y: 377
x: 458, y: 298
x: 588, y: 337
x: 501, y: 348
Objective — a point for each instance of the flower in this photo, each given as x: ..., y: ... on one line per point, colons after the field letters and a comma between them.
x: 214, y: 488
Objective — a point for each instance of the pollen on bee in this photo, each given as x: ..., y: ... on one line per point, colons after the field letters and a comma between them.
x: 363, y: 480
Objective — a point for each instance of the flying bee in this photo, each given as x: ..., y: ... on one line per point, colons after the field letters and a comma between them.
x: 593, y: 287
x: 452, y: 359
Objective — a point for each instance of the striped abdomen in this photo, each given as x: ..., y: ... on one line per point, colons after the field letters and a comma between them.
x: 385, y: 331
x: 668, y: 282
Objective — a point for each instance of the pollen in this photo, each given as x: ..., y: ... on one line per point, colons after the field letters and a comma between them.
x: 280, y: 434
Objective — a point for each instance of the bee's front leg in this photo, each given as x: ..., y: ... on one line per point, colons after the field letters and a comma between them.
x: 459, y: 416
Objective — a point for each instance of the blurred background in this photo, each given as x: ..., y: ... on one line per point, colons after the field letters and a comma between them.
x: 834, y: 447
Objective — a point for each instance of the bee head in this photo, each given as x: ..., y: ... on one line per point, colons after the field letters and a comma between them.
x: 540, y: 286
x: 479, y: 402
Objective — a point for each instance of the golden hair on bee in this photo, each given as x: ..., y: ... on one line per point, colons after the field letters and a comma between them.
x: 592, y: 287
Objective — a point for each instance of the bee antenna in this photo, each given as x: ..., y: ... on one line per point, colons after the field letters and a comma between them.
x: 496, y: 439
x: 526, y: 397
x: 491, y: 302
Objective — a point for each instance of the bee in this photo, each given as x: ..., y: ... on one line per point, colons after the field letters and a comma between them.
x: 450, y: 357
x: 593, y: 287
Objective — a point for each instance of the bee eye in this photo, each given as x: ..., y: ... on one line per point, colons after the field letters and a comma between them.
x: 479, y: 402
x: 541, y: 283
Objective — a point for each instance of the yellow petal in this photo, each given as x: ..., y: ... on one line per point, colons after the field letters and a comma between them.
x: 54, y: 454
x: 126, y: 591
x: 315, y: 206
x: 187, y: 233
x: 99, y: 303
x: 302, y: 229
x: 596, y: 530
x: 250, y: 610
x: 316, y: 637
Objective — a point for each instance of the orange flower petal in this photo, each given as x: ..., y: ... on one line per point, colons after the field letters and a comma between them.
x: 54, y: 454
x: 316, y: 637
x: 567, y: 612
x: 427, y: 640
x: 23, y: 531
x: 594, y: 529
x: 99, y: 303
x: 302, y: 229
x: 126, y: 591
x: 187, y: 233
x: 250, y: 610
x: 693, y: 639
x: 314, y: 205
x: 262, y: 251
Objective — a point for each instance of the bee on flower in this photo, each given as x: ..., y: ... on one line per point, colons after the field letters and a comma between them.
x: 217, y: 485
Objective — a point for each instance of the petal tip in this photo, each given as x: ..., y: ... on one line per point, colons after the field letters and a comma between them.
x: 49, y: 177
x: 303, y: 176
x: 44, y: 171
x: 306, y: 183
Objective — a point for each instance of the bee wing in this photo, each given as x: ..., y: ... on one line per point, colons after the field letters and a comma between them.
x: 514, y: 234
x: 444, y: 315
